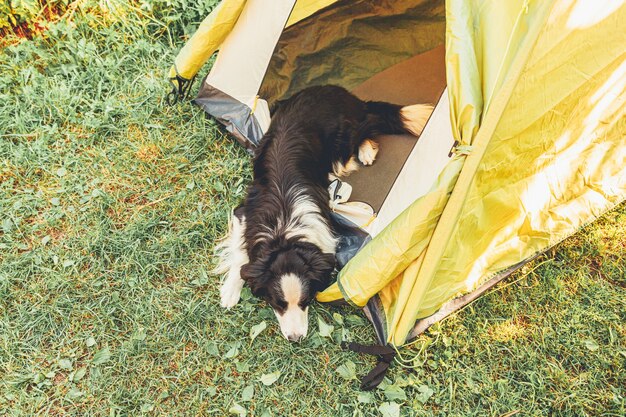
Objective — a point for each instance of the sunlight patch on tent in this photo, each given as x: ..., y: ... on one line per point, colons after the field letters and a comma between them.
x: 586, y: 13
x: 608, y: 103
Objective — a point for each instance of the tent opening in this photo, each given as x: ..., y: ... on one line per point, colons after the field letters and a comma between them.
x: 384, y: 51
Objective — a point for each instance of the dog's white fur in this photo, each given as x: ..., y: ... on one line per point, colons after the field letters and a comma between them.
x: 306, y: 221
x: 232, y: 255
x: 294, y: 322
x: 415, y: 117
x: 368, y: 151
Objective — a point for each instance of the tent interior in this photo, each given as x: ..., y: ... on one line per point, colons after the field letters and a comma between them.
x: 389, y: 51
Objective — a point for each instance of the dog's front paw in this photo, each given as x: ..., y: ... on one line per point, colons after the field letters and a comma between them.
x: 368, y: 151
x: 230, y: 292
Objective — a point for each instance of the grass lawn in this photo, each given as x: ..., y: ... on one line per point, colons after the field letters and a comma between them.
x: 110, y: 205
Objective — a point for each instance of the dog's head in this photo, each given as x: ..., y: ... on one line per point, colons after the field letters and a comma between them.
x: 288, y: 276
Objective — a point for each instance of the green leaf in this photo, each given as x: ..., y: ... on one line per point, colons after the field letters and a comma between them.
x: 232, y: 352
x: 7, y: 225
x: 79, y: 374
x: 338, y: 318
x: 61, y: 172
x: 269, y: 379
x: 384, y: 383
x: 146, y: 408
x: 65, y: 364
x: 139, y: 334
x: 55, y: 201
x: 247, y: 393
x: 256, y: 330
x: 90, y: 341
x: 102, y: 356
x: 242, y: 367
x: 389, y: 410
x: 203, y: 279
x: 19, y: 379
x: 74, y: 393
x: 592, y: 345
x: 424, y: 393
x: 394, y: 392
x: 238, y: 410
x: 354, y: 320
x: 246, y: 295
x: 212, y: 349
x: 365, y: 397
x: 347, y: 370
x: 67, y: 263
x: 325, y: 330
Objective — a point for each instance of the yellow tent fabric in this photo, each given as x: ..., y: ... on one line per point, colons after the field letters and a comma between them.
x: 305, y: 8
x: 206, y: 40
x: 537, y: 102
x: 215, y: 28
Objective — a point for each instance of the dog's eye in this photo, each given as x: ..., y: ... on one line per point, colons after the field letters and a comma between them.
x: 277, y: 305
x: 306, y: 301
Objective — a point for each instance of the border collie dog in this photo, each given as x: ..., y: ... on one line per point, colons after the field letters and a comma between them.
x: 281, y: 241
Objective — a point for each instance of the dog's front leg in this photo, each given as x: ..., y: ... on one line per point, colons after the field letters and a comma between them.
x: 230, y: 291
x: 233, y: 256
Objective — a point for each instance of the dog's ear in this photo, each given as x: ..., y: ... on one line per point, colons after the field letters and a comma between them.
x: 256, y: 275
x: 322, y: 266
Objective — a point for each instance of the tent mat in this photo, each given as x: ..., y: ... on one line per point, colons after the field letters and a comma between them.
x: 420, y: 79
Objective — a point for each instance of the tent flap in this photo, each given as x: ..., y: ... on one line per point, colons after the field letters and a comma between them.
x: 234, y: 115
x: 207, y: 39
x: 537, y: 89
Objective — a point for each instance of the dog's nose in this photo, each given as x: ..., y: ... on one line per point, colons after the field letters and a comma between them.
x: 295, y: 337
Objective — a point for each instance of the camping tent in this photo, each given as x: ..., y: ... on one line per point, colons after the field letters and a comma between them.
x: 526, y: 144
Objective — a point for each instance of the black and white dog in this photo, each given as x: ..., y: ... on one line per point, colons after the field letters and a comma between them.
x: 281, y: 240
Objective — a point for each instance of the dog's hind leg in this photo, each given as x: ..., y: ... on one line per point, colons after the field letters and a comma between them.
x: 341, y: 169
x: 233, y: 255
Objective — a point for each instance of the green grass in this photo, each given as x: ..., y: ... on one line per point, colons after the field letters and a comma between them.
x: 110, y: 205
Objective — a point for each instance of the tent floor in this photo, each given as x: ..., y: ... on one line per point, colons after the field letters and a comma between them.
x: 420, y: 79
